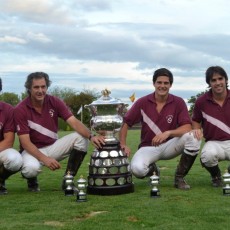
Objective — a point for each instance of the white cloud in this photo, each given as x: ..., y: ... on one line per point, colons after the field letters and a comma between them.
x: 38, y: 37
x: 11, y: 39
x: 115, y: 44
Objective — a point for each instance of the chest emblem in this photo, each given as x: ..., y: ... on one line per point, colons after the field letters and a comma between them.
x: 169, y: 118
x: 51, y: 112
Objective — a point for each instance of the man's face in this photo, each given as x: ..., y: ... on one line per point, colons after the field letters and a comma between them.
x: 162, y: 86
x: 218, y: 84
x: 38, y: 90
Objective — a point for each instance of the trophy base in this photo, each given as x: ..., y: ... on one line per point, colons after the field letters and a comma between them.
x: 155, y: 194
x: 81, y: 198
x: 226, y: 191
x: 69, y: 192
x: 110, y: 190
x: 109, y: 171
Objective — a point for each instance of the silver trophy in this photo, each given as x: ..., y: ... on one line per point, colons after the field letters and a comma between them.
x: 81, y: 186
x: 154, y: 182
x: 69, y: 184
x: 226, y: 180
x: 107, y: 115
x: 109, y: 169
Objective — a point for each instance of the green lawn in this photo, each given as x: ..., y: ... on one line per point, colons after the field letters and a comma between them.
x: 202, y: 207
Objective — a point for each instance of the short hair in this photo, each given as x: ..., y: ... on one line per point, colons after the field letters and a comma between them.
x: 215, y: 70
x: 163, y: 72
x: 36, y: 75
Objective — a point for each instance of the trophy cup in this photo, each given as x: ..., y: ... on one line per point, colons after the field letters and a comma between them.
x: 154, y: 181
x: 69, y: 184
x: 226, y: 180
x: 109, y: 169
x: 81, y: 185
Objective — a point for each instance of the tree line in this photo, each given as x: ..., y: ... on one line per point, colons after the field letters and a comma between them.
x: 73, y: 99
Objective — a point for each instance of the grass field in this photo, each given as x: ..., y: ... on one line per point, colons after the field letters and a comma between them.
x: 202, y: 207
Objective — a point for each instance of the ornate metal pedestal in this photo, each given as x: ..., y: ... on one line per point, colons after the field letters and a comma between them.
x: 109, y: 169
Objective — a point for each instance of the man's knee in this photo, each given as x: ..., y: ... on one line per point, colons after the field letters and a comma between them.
x: 137, y: 170
x: 209, y: 158
x: 80, y: 143
x: 13, y: 160
x: 192, y: 144
x: 30, y: 171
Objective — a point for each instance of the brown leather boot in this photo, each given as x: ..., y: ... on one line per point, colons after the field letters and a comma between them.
x: 153, y: 168
x: 33, y: 185
x: 4, y: 174
x: 185, y: 164
x: 74, y: 162
x: 216, y: 175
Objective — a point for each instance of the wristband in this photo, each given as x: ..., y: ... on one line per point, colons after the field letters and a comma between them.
x: 90, y: 136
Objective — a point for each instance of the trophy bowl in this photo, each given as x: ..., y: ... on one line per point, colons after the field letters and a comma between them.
x: 107, y: 115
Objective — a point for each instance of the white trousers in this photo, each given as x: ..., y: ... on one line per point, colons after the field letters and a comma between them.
x: 166, y: 151
x: 11, y: 159
x: 215, y: 151
x: 59, y: 151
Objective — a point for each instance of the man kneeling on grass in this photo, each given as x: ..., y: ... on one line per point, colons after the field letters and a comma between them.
x: 166, y: 131
x: 36, y: 118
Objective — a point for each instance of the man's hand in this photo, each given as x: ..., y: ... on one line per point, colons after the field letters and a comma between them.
x: 98, y: 141
x: 197, y: 133
x: 51, y: 163
x: 126, y: 150
x: 160, y: 138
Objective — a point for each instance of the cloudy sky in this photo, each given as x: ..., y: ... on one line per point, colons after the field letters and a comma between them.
x: 114, y: 44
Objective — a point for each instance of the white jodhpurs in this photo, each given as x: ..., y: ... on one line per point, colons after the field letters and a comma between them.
x: 215, y: 151
x: 59, y: 151
x: 166, y: 151
x: 11, y: 160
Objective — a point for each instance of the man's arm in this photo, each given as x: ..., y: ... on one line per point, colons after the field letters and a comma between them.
x: 162, y: 137
x: 80, y: 128
x: 197, y: 131
x: 8, y: 141
x: 34, y: 151
x: 122, y: 137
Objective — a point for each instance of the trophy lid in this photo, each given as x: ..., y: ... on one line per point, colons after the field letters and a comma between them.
x: 106, y: 99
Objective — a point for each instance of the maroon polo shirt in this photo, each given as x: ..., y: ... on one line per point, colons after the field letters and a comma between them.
x: 6, y: 119
x: 215, y: 120
x: 42, y: 127
x: 173, y: 114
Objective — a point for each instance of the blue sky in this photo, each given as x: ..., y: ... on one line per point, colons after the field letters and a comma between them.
x: 97, y: 44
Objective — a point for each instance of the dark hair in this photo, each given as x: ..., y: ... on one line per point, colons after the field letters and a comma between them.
x: 36, y: 75
x: 163, y: 72
x: 0, y: 84
x: 215, y: 70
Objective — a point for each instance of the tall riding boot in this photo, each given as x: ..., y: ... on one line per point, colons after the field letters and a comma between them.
x: 74, y: 162
x: 33, y: 185
x: 4, y: 174
x: 153, y: 168
x: 185, y: 164
x: 215, y: 174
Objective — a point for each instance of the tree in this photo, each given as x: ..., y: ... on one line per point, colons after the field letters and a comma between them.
x: 75, y: 100
x: 192, y: 101
x: 10, y: 98
x: 62, y: 92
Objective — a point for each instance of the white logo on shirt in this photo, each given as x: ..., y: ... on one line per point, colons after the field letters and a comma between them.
x: 169, y: 118
x: 1, y: 125
x: 51, y: 112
